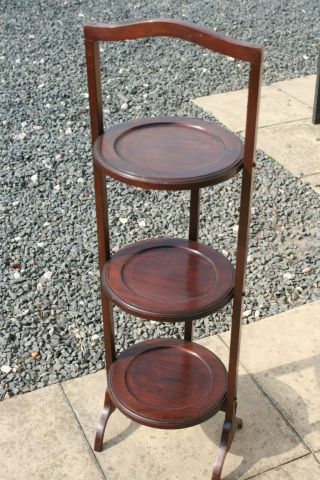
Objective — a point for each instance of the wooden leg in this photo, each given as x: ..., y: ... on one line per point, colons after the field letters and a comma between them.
x: 228, y: 431
x: 108, y: 408
x: 188, y: 330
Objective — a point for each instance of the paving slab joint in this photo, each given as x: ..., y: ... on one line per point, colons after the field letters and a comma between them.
x: 280, y: 465
x: 83, y: 433
x: 291, y: 427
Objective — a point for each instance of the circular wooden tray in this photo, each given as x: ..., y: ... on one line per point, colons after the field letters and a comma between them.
x: 172, y: 153
x: 168, y: 383
x: 168, y: 279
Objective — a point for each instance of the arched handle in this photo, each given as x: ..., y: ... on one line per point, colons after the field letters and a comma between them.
x: 175, y: 28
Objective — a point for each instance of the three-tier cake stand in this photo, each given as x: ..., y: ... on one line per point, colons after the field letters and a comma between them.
x: 165, y: 382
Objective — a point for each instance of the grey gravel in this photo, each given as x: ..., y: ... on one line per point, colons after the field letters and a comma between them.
x: 49, y: 280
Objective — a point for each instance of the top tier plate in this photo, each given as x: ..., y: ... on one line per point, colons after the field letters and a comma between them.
x: 169, y: 153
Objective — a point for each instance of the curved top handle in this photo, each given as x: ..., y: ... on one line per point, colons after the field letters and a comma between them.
x: 169, y: 27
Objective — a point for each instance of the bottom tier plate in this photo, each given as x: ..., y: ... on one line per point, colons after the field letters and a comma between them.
x: 168, y: 383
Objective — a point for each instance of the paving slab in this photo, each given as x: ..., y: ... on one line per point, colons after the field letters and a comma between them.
x: 40, y: 438
x: 307, y: 468
x: 276, y: 107
x: 135, y: 451
x: 313, y: 180
x: 295, y: 145
x: 302, y: 88
x: 282, y: 353
x: 285, y: 130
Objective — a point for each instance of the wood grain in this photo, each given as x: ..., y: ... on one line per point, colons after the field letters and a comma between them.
x: 171, y: 153
x: 168, y: 279
x: 171, y: 27
x: 168, y: 383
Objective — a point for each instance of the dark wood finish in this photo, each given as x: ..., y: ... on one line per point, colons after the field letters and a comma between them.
x: 193, y: 235
x: 316, y: 105
x: 228, y: 431
x: 194, y: 214
x: 231, y: 421
x: 168, y: 383
x: 108, y: 408
x: 94, y: 87
x: 95, y: 101
x: 198, y: 154
x: 243, y: 233
x: 171, y: 153
x: 168, y: 279
x: 169, y: 27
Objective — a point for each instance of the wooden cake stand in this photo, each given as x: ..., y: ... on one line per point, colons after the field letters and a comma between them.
x: 169, y: 383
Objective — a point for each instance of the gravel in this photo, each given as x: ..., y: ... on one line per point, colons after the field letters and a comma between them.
x: 50, y: 319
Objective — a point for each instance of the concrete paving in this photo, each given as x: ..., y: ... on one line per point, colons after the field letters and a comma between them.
x: 306, y: 468
x: 302, y: 88
x: 40, y: 438
x: 289, y: 370
x: 285, y: 130
x: 49, y: 433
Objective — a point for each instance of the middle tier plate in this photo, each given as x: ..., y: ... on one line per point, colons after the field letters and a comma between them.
x: 169, y: 279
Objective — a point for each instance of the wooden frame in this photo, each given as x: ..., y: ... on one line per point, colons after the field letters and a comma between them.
x: 97, y: 32
x: 316, y: 103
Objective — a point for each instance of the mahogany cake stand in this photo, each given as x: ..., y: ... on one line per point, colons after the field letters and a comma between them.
x: 170, y: 383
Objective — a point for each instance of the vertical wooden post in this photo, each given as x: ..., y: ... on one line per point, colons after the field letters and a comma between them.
x: 316, y: 105
x: 96, y: 117
x: 243, y: 235
x: 193, y: 235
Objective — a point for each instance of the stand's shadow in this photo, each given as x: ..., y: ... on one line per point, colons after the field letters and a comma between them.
x: 121, y: 437
x: 265, y: 432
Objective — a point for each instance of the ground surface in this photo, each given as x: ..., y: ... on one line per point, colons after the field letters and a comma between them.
x: 50, y: 317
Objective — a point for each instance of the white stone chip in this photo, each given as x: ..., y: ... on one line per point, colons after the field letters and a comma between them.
x: 306, y: 270
x: 123, y: 220
x: 142, y: 223
x: 34, y: 178
x: 288, y: 276
x: 246, y: 313
x: 47, y: 275
x: 20, y: 136
x: 5, y: 369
